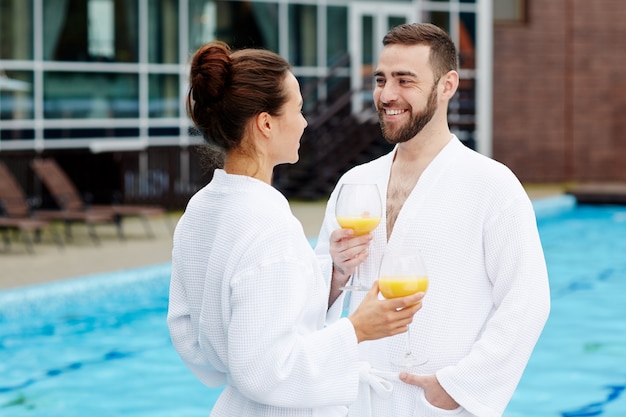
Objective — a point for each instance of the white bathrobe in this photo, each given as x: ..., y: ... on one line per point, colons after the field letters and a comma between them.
x: 488, y: 296
x: 248, y: 306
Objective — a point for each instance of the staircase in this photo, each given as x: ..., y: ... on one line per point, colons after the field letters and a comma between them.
x: 326, y: 152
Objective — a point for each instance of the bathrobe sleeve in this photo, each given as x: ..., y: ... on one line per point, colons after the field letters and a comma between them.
x: 182, y: 336
x: 484, y: 380
x: 322, y: 250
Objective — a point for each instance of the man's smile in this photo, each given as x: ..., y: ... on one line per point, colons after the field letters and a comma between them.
x: 394, y: 112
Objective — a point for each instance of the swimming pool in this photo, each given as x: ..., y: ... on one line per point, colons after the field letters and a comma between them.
x: 579, y: 365
x: 96, y: 346
x: 99, y: 346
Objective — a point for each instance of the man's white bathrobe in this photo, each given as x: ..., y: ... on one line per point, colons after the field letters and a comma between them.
x: 248, y: 306
x: 488, y: 296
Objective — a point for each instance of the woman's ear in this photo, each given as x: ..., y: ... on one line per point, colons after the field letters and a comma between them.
x: 263, y: 124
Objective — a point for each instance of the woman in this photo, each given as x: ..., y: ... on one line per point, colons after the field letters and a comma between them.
x: 247, y: 298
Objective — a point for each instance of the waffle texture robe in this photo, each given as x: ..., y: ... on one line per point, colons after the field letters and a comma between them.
x: 248, y: 305
x: 488, y: 296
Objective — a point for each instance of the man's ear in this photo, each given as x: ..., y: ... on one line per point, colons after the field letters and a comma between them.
x: 450, y: 83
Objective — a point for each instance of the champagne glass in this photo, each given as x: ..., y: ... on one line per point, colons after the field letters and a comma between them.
x: 403, y: 274
x: 359, y: 208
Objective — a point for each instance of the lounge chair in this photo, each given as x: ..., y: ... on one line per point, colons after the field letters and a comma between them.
x: 26, y: 227
x: 67, y: 196
x: 16, y: 214
x: 15, y: 205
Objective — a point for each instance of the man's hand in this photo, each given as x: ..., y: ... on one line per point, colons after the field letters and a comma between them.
x: 433, y: 391
x: 347, y: 251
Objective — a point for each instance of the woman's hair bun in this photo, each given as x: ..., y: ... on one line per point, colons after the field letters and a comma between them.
x: 210, y: 72
x: 228, y: 89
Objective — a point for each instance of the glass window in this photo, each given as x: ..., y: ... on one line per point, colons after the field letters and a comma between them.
x: 264, y: 19
x: 17, y: 134
x: 509, y: 11
x: 240, y: 24
x: 303, y: 35
x: 336, y: 35
x: 466, y: 32
x: 308, y: 86
x: 441, y: 19
x: 100, y: 29
x: 16, y: 95
x: 367, y: 49
x: 92, y: 30
x: 163, y: 31
x: 467, y: 41
x: 91, y: 132
x: 337, y: 88
x: 202, y: 22
x: 88, y: 95
x: 460, y: 1
x: 367, y: 52
x: 164, y: 131
x: 16, y: 29
x: 393, y: 21
x: 163, y: 95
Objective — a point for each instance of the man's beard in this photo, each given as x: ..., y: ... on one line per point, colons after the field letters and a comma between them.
x: 415, y: 125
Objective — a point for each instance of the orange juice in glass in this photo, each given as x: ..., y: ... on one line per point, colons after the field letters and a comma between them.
x: 358, y: 207
x: 402, y: 272
x: 402, y: 285
x: 361, y: 225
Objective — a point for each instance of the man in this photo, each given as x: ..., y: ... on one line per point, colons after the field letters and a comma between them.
x: 474, y: 225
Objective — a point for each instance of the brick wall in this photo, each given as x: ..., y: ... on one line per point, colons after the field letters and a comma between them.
x: 560, y: 92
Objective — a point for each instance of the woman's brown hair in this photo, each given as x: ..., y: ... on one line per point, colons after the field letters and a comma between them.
x: 227, y: 89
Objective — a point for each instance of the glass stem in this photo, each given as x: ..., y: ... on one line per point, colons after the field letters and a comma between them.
x: 356, y: 280
x: 409, y: 351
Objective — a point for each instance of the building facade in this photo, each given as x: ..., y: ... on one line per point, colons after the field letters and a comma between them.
x: 560, y: 93
x: 100, y: 84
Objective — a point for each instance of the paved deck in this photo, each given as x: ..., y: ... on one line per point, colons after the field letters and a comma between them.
x: 81, y: 257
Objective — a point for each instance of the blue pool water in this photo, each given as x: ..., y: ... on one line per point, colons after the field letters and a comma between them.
x: 98, y: 346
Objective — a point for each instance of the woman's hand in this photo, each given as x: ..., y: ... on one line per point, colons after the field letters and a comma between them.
x: 376, y: 318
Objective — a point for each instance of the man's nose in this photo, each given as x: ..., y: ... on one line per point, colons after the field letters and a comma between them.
x: 388, y: 93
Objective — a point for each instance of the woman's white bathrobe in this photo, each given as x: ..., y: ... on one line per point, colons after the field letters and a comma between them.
x: 488, y: 297
x: 248, y: 305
